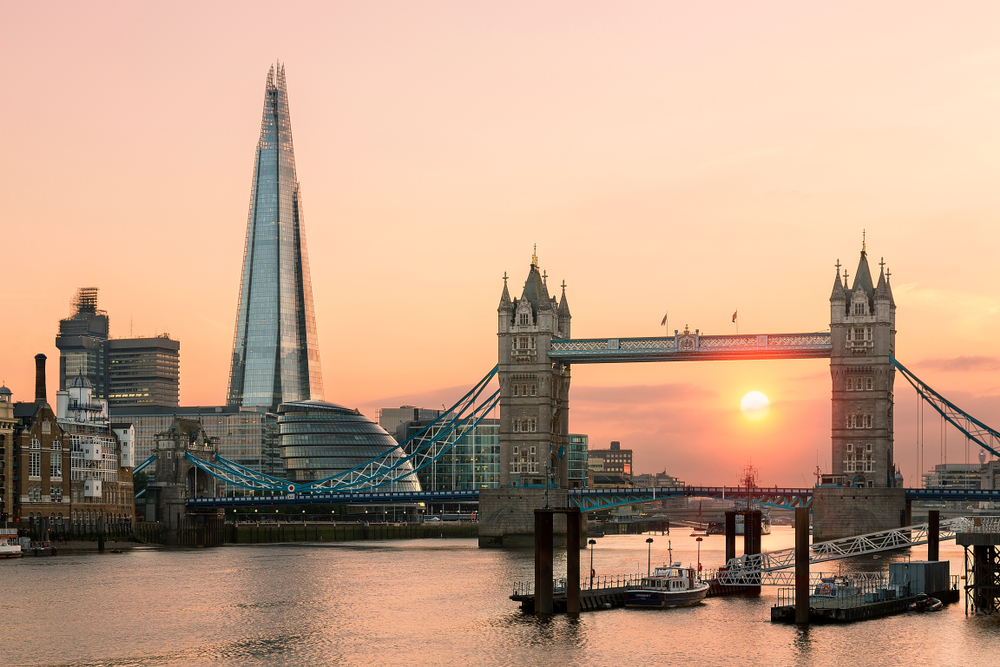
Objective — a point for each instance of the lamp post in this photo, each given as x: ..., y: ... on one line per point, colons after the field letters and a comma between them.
x: 649, y: 554
x: 699, y: 555
x: 591, y: 543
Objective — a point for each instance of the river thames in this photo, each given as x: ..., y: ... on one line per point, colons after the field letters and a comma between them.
x: 426, y: 602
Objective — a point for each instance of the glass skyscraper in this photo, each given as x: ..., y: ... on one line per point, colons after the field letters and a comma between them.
x: 275, y: 351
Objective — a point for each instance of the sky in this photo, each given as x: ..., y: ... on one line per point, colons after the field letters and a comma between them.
x: 690, y: 159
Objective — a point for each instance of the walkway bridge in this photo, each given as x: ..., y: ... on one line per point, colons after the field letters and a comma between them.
x: 776, y: 568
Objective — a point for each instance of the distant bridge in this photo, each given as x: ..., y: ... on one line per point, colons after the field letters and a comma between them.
x: 588, y: 500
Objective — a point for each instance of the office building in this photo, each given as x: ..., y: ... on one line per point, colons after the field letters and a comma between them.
x: 82, y: 343
x: 613, y: 461
x: 579, y: 458
x: 473, y: 462
x: 275, y: 350
x: 143, y: 372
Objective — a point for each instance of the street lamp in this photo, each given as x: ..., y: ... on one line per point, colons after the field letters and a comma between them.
x: 698, y: 540
x: 649, y: 554
x: 591, y: 543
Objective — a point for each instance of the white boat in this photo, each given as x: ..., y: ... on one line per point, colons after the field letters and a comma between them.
x: 668, y: 586
x: 9, y: 545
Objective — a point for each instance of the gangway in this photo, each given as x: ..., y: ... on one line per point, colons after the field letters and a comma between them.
x: 775, y: 568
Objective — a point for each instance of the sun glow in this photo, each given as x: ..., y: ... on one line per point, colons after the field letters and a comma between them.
x: 755, y: 406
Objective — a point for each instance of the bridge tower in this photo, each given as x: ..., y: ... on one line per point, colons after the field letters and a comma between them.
x: 534, y: 390
x: 534, y: 416
x: 861, y: 494
x: 177, y: 479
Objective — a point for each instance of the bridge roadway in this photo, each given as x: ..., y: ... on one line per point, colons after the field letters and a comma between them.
x: 689, y: 346
x: 588, y: 500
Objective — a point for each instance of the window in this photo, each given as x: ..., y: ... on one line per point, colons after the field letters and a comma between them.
x: 56, y: 446
x: 35, y: 464
x: 516, y: 388
x: 850, y: 447
x: 868, y: 447
x: 859, y: 308
x: 516, y: 450
x: 35, y: 444
x: 869, y: 383
x: 868, y: 421
x: 55, y: 466
x: 533, y: 391
x: 522, y: 319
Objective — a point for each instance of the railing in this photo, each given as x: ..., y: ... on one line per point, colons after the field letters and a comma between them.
x: 600, y: 583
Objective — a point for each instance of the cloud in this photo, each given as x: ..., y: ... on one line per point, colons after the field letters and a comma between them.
x: 963, y: 364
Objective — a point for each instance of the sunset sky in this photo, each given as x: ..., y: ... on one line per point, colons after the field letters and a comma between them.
x: 690, y: 158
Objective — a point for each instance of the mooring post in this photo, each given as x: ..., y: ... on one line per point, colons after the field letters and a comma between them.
x: 543, y: 561
x: 933, y: 534
x: 751, y: 532
x: 573, y: 561
x: 730, y: 536
x: 802, y: 565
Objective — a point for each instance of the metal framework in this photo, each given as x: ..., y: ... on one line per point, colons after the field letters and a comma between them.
x: 420, y: 450
x: 975, y: 430
x: 767, y: 568
x: 341, y: 498
x: 591, y: 500
x: 689, y: 346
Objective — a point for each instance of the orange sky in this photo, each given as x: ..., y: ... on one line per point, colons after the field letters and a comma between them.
x: 690, y: 157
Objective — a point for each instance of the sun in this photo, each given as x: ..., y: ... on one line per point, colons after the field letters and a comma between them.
x: 755, y: 406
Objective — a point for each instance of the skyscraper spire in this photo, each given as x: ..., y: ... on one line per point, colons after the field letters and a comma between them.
x: 275, y: 350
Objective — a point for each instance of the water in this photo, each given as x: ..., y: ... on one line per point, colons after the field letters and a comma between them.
x: 424, y: 602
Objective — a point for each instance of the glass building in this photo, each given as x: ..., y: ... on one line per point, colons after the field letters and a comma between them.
x: 143, y: 371
x: 578, y: 460
x: 319, y: 440
x: 275, y: 350
x: 472, y: 463
x: 82, y: 343
x: 248, y: 437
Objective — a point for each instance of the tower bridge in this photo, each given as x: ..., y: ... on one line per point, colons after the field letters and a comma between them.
x: 536, y: 353
x: 862, y: 493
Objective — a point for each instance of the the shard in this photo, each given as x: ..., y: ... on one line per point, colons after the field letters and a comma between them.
x: 275, y: 350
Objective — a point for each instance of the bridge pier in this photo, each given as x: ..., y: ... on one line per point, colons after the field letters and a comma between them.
x: 802, y: 565
x: 982, y: 567
x: 730, y: 535
x: 846, y: 511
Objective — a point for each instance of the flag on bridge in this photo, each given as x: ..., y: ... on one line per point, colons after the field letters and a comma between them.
x: 734, y: 316
x: 663, y: 322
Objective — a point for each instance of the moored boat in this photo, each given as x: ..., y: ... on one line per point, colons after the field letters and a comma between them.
x: 668, y: 586
x: 9, y: 545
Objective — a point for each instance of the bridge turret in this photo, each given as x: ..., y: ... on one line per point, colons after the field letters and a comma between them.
x: 862, y: 327
x: 838, y: 298
x: 534, y: 390
x: 177, y: 479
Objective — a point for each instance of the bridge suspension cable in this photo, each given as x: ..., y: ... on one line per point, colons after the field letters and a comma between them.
x: 975, y: 430
x: 420, y: 450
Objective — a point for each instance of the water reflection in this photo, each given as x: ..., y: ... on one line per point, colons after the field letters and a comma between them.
x: 422, y: 602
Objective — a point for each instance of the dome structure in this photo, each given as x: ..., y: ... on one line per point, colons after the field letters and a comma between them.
x: 319, y: 440
x: 80, y: 382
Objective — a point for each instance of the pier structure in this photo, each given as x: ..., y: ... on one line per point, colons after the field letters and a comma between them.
x: 981, y: 541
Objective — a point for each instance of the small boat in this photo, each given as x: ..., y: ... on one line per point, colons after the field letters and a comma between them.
x: 668, y: 586
x: 10, y: 547
x: 926, y: 603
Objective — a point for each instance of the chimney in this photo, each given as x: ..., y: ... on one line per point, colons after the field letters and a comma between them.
x: 40, y: 379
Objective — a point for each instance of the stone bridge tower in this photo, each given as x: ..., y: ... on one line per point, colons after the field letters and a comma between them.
x: 177, y: 479
x: 862, y: 494
x: 534, y: 391
x: 534, y: 416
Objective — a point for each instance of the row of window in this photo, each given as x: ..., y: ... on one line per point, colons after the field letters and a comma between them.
x: 860, y: 334
x: 858, y: 421
x: 860, y: 384
x: 525, y: 425
x: 517, y: 467
x: 525, y: 390
x: 865, y: 464
x: 517, y: 451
